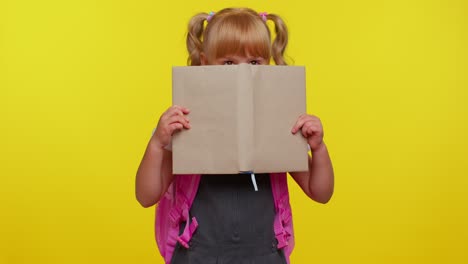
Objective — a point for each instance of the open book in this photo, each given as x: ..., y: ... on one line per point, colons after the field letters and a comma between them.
x: 241, y: 118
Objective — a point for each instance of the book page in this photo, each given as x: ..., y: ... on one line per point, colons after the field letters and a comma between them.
x: 280, y: 98
x: 210, y: 145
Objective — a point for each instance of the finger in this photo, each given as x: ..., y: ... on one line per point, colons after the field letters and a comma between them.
x: 169, y: 112
x: 180, y: 119
x: 304, y: 131
x: 183, y: 109
x: 174, y: 111
x: 314, y: 119
x: 302, y: 120
x: 175, y: 127
x: 310, y: 128
x: 317, y: 121
x: 299, y: 123
x: 315, y: 129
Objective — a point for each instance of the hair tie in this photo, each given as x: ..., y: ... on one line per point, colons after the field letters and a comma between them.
x: 263, y: 15
x: 210, y: 15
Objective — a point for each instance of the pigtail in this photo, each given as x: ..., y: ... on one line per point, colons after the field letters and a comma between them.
x: 194, y: 42
x: 281, y: 40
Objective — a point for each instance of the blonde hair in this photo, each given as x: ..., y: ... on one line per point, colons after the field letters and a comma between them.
x: 235, y: 31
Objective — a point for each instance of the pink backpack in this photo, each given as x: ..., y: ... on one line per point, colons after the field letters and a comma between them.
x: 174, y: 207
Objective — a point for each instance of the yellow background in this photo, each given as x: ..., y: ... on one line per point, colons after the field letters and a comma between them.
x: 83, y: 83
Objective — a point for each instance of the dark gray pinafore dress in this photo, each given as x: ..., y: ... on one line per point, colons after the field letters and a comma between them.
x: 235, y: 223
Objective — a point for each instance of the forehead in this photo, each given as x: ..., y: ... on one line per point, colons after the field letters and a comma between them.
x: 237, y: 37
x: 240, y: 56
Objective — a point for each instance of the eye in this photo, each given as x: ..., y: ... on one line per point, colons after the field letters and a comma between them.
x: 255, y: 61
x: 228, y: 62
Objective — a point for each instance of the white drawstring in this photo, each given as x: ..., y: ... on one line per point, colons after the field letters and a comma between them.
x: 254, y: 182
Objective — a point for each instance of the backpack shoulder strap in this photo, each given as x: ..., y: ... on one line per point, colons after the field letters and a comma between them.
x: 172, y: 209
x: 283, y: 227
x: 186, y: 190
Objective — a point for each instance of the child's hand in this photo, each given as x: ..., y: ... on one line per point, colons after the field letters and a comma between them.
x: 172, y: 120
x: 311, y: 129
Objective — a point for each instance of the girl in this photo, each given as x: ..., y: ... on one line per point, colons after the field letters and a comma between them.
x: 236, y: 223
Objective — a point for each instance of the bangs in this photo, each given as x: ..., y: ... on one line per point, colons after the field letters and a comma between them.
x: 238, y: 35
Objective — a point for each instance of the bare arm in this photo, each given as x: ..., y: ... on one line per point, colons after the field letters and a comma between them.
x: 318, y: 182
x: 154, y: 174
